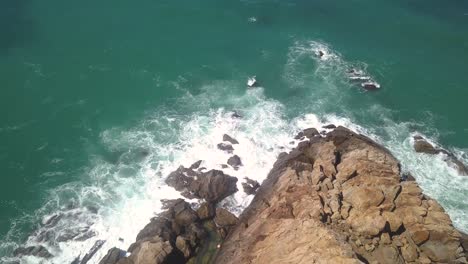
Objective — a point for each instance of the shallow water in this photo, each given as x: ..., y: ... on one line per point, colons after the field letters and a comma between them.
x: 100, y: 101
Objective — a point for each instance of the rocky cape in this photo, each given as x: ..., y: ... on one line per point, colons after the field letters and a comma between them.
x: 338, y: 197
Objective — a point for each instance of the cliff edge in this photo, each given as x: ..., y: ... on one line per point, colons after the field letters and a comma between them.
x: 338, y: 197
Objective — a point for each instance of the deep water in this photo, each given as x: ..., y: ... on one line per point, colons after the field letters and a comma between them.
x: 100, y: 100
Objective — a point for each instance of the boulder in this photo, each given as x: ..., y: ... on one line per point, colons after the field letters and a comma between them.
x: 230, y: 139
x: 250, y: 186
x: 206, y: 211
x: 184, y: 215
x: 37, y: 251
x: 224, y: 218
x: 152, y: 252
x: 235, y: 162
x: 308, y: 133
x: 212, y: 185
x: 422, y: 146
x: 225, y: 147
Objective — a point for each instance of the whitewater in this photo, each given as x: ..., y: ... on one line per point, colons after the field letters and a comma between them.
x: 122, y: 189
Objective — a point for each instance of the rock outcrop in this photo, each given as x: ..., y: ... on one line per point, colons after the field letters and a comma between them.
x: 176, y: 235
x: 421, y: 145
x: 336, y: 198
x: 212, y: 185
x: 340, y: 199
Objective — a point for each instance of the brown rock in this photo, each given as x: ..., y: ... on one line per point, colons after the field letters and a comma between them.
x: 206, y: 211
x: 151, y: 252
x: 422, y: 146
x: 363, y: 198
x: 184, y: 246
x: 224, y: 218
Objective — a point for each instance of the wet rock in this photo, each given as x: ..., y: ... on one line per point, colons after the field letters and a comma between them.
x: 113, y: 256
x: 225, y: 147
x: 250, y: 186
x: 422, y: 146
x: 53, y: 220
x: 206, y: 211
x: 236, y: 115
x: 195, y: 165
x: 97, y: 245
x: 457, y: 164
x: 235, y: 162
x: 230, y: 139
x: 330, y: 126
x: 212, y: 185
x: 308, y: 133
x: 224, y: 218
x: 37, y: 251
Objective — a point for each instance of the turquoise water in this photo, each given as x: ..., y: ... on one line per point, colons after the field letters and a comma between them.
x: 101, y: 99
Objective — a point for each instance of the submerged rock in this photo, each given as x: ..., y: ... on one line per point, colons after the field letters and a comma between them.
x: 37, y: 251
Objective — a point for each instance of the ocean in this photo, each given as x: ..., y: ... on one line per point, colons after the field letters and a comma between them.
x: 101, y: 100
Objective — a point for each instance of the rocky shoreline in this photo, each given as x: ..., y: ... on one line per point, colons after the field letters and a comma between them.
x: 338, y: 197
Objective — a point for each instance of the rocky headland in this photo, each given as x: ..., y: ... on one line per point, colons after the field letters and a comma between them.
x: 338, y: 197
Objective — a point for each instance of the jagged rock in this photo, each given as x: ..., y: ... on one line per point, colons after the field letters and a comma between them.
x: 250, y: 186
x: 235, y: 162
x: 37, y: 251
x: 184, y: 246
x: 230, y: 139
x: 225, y: 147
x: 195, y: 165
x: 212, y: 185
x: 308, y: 133
x: 340, y: 199
x: 113, y: 256
x: 330, y: 126
x: 97, y: 245
x: 184, y: 215
x: 206, y: 211
x: 152, y: 252
x: 224, y: 218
